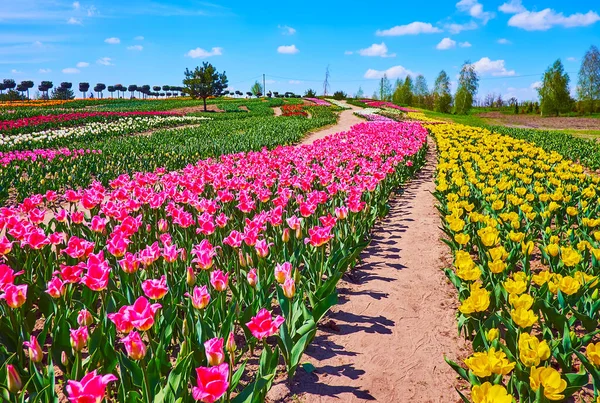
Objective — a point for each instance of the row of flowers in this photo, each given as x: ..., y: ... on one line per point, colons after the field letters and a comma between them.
x: 126, y: 289
x: 385, y: 104
x: 92, y: 131
x: 337, y: 103
x: 293, y: 110
x: 318, y: 101
x: 522, y: 224
x: 45, y: 155
x: 54, y: 120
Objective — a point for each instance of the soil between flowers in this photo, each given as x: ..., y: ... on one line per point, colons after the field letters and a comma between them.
x: 387, y: 339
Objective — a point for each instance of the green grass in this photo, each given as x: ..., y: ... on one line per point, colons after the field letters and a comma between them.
x: 471, y: 120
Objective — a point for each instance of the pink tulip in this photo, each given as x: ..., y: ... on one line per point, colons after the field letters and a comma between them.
x: 71, y: 274
x: 318, y: 236
x: 263, y: 325
x: 212, y: 383
x: 203, y: 254
x: 7, y: 275
x: 122, y: 320
x: 91, y: 389
x: 15, y: 295
x: 341, y: 212
x: 5, y: 246
x: 34, y: 349
x: 283, y: 271
x: 200, y: 297
x: 150, y: 254
x: 78, y: 248
x: 252, y: 278
x: 155, y: 289
x: 130, y: 263
x: 294, y: 222
x: 141, y: 314
x: 55, y: 288
x: 84, y: 318
x: 262, y: 248
x: 135, y: 347
x: 219, y: 280
x: 79, y: 338
x: 234, y: 239
x: 77, y: 217
x: 163, y: 225
x: 98, y: 224
x: 214, y: 351
x: 98, y: 272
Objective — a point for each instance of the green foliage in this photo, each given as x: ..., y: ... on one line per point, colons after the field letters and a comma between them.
x: 422, y: 97
x: 339, y: 95
x: 588, y: 86
x: 310, y: 93
x: 468, y: 82
x: 256, y: 89
x: 404, y: 93
x: 360, y: 93
x: 442, y: 98
x: 385, y: 89
x: 204, y: 82
x: 554, y: 91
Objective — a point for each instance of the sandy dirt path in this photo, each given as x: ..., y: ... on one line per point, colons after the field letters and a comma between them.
x: 387, y: 339
x: 346, y: 120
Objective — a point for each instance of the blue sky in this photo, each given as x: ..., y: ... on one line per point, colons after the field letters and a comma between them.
x: 152, y: 42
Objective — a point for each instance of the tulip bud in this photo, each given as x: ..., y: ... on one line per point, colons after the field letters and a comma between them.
x: 595, y: 294
x: 252, y: 278
x: 289, y: 288
x: 84, y: 318
x: 64, y: 360
x: 191, y: 277
x: 231, y: 346
x: 298, y: 232
x: 285, y: 237
x: 242, y: 259
x: 185, y: 328
x: 13, y: 379
x: 79, y: 338
x: 184, y: 349
x: 492, y: 334
x: 163, y: 225
x: 34, y: 349
x: 249, y: 261
x: 148, y: 228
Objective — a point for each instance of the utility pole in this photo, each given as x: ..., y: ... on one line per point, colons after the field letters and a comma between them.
x: 264, y: 86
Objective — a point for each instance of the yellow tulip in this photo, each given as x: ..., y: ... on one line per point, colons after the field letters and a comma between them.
x: 523, y: 317
x: 532, y: 351
x: 488, y: 393
x: 569, y: 256
x: 524, y: 301
x: 550, y: 379
x: 462, y: 239
x: 492, y: 334
x: 497, y: 266
x: 593, y: 353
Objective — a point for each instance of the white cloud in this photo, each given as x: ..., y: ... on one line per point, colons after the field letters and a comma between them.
x: 571, y: 59
x: 465, y: 44
x: 535, y: 85
x: 458, y: 28
x: 76, y: 5
x: 288, y: 50
x: 139, y: 38
x: 392, y: 72
x: 475, y: 10
x: 44, y: 71
x: 199, y: 52
x: 446, y: 44
x: 504, y: 41
x: 348, y: 52
x: 547, y: 18
x: 112, y: 41
x: 285, y: 30
x: 485, y: 66
x: 270, y: 81
x: 295, y: 82
x: 414, y: 28
x: 376, y: 50
x: 135, y: 47
x: 74, y: 21
x: 512, y: 7
x: 83, y: 64
x: 91, y: 11
x: 37, y: 44
x: 70, y: 70
x: 15, y: 71
x: 105, y: 61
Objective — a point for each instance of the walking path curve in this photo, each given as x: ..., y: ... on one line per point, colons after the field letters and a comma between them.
x: 387, y: 339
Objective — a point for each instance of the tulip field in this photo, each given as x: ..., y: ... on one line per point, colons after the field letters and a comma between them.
x: 200, y: 278
x: 168, y: 255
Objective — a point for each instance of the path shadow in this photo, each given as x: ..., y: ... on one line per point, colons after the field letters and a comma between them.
x: 309, y: 383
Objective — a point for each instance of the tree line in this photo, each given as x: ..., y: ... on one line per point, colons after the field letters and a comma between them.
x: 65, y: 90
x: 553, y: 91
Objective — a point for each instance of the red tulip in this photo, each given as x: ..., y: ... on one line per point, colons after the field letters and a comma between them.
x: 214, y: 351
x: 91, y: 389
x: 263, y: 325
x: 155, y: 289
x: 212, y: 383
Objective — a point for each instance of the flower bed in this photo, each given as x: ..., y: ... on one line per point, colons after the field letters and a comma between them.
x: 522, y: 226
x: 293, y: 110
x: 42, y: 155
x: 126, y: 289
x: 318, y: 101
x: 91, y: 131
